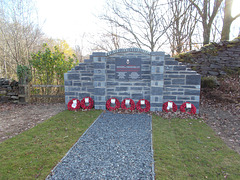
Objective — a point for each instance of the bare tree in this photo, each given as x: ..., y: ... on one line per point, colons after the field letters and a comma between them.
x: 207, y: 10
x: 110, y: 40
x: 180, y: 33
x: 78, y: 49
x: 107, y: 42
x: 228, y: 19
x: 217, y: 26
x: 18, y: 33
x: 141, y: 20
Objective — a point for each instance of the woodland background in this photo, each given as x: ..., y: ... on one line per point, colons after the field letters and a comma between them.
x: 28, y: 54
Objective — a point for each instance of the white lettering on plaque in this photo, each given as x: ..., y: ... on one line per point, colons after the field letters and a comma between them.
x: 121, y: 75
x: 134, y: 75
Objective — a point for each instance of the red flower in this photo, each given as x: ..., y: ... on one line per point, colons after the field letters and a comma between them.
x: 139, y: 108
x: 123, y: 105
x: 72, y: 106
x: 183, y: 108
x: 91, y: 103
x: 165, y: 107
x: 109, y: 107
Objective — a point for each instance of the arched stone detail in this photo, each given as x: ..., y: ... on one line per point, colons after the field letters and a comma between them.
x: 128, y: 50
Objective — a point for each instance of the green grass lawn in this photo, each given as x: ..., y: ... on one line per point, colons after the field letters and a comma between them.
x: 189, y: 149
x: 183, y: 149
x: 33, y: 153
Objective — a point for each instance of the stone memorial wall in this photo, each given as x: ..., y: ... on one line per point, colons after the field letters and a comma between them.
x: 133, y: 73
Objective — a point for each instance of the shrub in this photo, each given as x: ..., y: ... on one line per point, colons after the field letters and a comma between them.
x: 209, y: 82
x: 24, y: 74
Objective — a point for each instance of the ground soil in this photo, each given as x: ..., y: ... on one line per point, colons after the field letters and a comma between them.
x: 15, y: 118
x: 225, y: 124
x: 220, y: 109
x: 224, y: 119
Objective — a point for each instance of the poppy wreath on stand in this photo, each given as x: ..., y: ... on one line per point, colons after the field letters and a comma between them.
x: 169, y: 105
x: 109, y: 102
x: 142, y: 102
x: 90, y: 101
x: 188, y: 105
x: 132, y: 104
x: 73, y: 105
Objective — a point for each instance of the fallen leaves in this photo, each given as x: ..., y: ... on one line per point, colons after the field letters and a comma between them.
x: 221, y: 106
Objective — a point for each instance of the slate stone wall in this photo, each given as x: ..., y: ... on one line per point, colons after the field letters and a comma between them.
x: 181, y: 84
x: 214, y: 59
x: 161, y: 79
x: 123, y: 88
x: 8, y: 90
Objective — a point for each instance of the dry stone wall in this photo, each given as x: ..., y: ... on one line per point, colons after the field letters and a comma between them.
x: 214, y: 59
x: 8, y: 90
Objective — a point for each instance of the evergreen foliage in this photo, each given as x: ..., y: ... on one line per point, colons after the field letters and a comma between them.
x: 24, y: 74
x: 50, y: 66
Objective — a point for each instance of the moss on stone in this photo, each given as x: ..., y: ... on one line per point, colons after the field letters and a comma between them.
x: 232, y: 45
x: 210, y: 49
x: 194, y: 68
x: 232, y: 71
x: 185, y: 57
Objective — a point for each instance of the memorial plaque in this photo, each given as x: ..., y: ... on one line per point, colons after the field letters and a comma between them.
x: 128, y: 68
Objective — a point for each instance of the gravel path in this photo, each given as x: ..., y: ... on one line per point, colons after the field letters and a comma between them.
x: 116, y: 146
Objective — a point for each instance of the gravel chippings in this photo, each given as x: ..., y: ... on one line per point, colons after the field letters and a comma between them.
x: 116, y: 146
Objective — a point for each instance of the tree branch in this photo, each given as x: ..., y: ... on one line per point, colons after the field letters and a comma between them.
x: 238, y: 15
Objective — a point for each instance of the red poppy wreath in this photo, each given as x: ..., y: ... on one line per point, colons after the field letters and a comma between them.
x: 73, y: 105
x: 112, y: 101
x: 190, y: 106
x: 143, y: 102
x: 167, y: 106
x: 86, y: 100
x: 128, y: 101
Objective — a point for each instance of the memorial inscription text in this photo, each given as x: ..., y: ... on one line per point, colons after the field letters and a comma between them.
x: 128, y: 68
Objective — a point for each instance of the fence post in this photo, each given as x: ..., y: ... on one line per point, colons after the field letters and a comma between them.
x: 24, y: 93
x: 27, y: 93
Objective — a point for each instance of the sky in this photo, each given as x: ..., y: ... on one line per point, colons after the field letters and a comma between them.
x: 70, y: 19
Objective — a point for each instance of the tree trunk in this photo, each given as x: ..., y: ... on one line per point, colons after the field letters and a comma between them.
x: 228, y: 19
x: 207, y: 16
x: 206, y: 33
